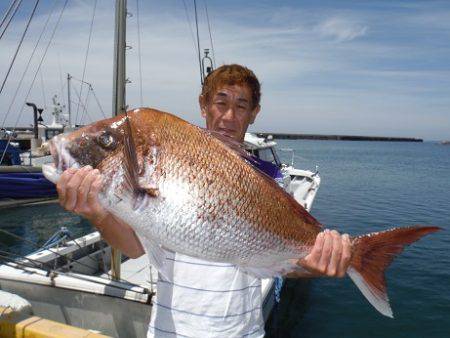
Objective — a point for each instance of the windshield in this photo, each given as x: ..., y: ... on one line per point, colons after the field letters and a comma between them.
x: 267, y: 154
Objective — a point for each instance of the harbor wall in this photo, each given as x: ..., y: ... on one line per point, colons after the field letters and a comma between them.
x: 287, y: 136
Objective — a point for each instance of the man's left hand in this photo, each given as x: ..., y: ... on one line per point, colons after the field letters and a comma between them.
x: 330, y: 256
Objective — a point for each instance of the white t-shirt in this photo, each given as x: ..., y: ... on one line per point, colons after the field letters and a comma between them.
x: 206, y: 299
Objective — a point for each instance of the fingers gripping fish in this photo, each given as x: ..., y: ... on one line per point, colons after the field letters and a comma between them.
x: 183, y: 189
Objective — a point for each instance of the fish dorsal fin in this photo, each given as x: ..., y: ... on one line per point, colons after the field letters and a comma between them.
x: 231, y: 143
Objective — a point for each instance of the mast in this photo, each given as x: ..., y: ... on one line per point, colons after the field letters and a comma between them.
x: 119, y: 58
x: 118, y: 104
x: 69, y: 107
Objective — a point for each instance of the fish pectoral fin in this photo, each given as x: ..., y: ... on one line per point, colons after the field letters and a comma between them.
x: 278, y: 269
x: 150, y: 187
x: 154, y: 192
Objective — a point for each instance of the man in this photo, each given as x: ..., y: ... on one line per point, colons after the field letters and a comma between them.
x: 202, y: 298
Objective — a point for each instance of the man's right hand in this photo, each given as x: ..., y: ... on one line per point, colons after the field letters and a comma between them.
x: 78, y: 191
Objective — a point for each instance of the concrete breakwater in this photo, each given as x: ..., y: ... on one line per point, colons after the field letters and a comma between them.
x: 287, y: 136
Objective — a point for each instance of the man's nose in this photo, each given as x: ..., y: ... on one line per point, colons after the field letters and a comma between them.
x: 229, y: 114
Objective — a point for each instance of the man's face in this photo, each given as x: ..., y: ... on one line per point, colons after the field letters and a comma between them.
x: 229, y: 111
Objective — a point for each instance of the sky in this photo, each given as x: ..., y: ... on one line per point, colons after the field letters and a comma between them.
x: 375, y: 68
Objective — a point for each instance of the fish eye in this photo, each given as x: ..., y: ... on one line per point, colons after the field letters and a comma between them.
x: 106, y: 140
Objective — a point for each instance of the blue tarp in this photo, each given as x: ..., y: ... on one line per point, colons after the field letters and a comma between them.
x: 25, y: 185
x: 12, y: 154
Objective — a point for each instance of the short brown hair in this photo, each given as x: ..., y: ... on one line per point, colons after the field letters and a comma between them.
x: 232, y: 75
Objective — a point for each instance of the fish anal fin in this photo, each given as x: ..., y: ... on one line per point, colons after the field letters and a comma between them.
x: 277, y: 269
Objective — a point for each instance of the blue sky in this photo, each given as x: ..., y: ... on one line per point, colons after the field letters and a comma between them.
x: 326, y: 67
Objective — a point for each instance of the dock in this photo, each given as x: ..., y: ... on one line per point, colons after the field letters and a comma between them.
x: 289, y: 136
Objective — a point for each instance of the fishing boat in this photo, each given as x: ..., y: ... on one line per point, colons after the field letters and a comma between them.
x: 21, y: 154
x: 71, y: 281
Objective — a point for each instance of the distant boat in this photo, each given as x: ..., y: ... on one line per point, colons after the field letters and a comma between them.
x: 445, y: 143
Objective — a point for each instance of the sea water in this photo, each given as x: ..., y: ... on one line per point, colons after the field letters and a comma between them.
x: 372, y: 186
x: 366, y: 186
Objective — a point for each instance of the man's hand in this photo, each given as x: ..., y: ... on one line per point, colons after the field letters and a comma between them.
x: 78, y: 192
x: 330, y: 255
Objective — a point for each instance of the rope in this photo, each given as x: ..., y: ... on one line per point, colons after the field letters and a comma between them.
x: 10, y: 18
x: 19, y: 45
x: 86, y: 57
x: 139, y: 53
x: 34, y: 78
x: 210, y: 37
x: 13, y: 2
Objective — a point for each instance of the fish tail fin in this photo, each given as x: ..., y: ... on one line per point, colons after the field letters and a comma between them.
x: 373, y: 253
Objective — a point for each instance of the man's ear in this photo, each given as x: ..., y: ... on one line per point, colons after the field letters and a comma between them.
x: 202, y: 103
x: 254, y: 113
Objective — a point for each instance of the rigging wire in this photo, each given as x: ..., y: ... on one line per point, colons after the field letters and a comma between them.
x: 19, y: 45
x: 198, y: 43
x: 93, y: 93
x: 98, y: 102
x: 139, y: 53
x: 10, y: 18
x: 43, y: 90
x: 83, y: 106
x: 86, y: 57
x: 188, y: 18
x: 13, y: 2
x: 34, y: 78
x: 61, y: 82
x: 210, y: 36
x: 28, y: 64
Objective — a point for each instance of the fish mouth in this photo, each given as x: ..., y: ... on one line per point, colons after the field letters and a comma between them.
x: 62, y: 159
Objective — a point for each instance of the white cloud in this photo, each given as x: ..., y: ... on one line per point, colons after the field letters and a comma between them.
x: 341, y: 29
